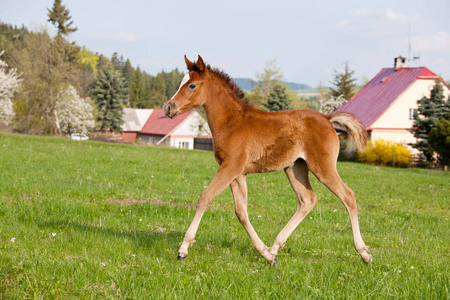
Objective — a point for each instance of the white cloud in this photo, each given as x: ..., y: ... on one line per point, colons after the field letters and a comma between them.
x: 391, y: 15
x: 380, y: 13
x: 120, y: 37
x: 360, y: 12
x: 439, y: 42
x: 346, y: 25
x: 379, y: 21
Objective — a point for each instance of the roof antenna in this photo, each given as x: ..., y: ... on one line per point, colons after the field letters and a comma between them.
x: 409, y: 42
x: 416, y: 57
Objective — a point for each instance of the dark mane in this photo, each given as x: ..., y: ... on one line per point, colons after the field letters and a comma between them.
x: 237, y: 91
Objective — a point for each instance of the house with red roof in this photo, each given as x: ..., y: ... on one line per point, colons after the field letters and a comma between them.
x: 387, y: 103
x: 152, y: 126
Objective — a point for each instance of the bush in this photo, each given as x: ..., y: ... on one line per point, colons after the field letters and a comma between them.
x: 386, y: 153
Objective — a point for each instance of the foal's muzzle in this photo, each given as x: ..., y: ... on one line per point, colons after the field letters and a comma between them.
x: 170, y: 109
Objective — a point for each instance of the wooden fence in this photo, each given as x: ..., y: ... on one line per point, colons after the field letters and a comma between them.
x: 203, y: 144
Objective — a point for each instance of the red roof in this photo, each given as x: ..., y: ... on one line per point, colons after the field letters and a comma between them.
x: 159, y: 124
x: 379, y: 94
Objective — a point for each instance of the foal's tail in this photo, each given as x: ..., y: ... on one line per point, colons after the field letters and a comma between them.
x: 354, y: 127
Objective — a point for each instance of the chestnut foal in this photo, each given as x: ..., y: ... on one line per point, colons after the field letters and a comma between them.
x: 248, y: 140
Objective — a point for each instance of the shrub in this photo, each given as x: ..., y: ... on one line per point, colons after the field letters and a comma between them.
x: 386, y: 153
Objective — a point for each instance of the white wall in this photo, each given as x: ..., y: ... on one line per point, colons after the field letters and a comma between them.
x: 190, y: 126
x: 399, y: 136
x: 182, y: 142
x: 393, y: 123
x: 189, y: 129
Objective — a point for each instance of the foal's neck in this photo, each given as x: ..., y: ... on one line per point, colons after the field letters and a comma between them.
x: 221, y: 108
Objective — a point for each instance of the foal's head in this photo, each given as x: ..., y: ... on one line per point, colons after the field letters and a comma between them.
x: 191, y: 92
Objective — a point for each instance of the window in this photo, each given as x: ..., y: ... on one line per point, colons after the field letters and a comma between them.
x: 183, y: 145
x: 191, y: 128
x: 411, y: 114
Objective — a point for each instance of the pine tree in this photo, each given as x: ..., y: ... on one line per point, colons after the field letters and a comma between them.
x: 59, y: 16
x: 344, y: 83
x: 109, y: 95
x: 429, y: 111
x: 158, y: 92
x: 117, y: 61
x: 128, y: 71
x: 137, y: 89
x: 439, y: 139
x: 278, y: 99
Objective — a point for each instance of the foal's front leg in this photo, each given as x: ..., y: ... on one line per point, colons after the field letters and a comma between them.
x: 222, y: 179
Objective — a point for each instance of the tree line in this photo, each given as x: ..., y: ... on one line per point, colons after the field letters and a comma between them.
x: 56, y: 75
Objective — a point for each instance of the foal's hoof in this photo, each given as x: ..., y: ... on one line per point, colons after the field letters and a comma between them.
x: 274, y: 262
x: 181, y: 256
x: 368, y: 259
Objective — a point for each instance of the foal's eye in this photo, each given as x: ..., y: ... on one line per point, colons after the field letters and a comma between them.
x: 192, y: 86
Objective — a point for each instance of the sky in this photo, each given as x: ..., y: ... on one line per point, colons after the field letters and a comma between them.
x: 308, y: 39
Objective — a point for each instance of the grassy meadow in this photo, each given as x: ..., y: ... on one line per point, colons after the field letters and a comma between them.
x: 94, y: 220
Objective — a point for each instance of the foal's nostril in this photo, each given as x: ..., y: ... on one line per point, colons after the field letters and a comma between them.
x: 167, y: 108
x: 170, y: 109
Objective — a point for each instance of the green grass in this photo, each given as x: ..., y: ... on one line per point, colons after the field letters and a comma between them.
x: 97, y: 220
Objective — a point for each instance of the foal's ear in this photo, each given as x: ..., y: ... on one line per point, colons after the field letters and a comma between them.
x: 200, y: 64
x: 189, y: 64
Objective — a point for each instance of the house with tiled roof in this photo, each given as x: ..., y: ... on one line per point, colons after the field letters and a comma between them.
x: 133, y: 122
x: 387, y: 103
x: 152, y: 126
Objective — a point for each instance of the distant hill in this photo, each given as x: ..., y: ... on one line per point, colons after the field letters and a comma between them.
x: 244, y: 83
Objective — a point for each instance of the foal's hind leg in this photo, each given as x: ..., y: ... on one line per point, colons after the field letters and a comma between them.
x: 298, y: 177
x: 239, y: 190
x: 326, y: 172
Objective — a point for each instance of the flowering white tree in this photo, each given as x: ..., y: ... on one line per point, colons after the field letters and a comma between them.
x: 330, y: 104
x: 6, y: 111
x: 9, y: 83
x: 73, y: 114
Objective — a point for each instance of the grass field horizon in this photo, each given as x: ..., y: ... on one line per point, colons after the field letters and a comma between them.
x: 98, y: 220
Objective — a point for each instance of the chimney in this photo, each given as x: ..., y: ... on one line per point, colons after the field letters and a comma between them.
x: 399, y: 62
